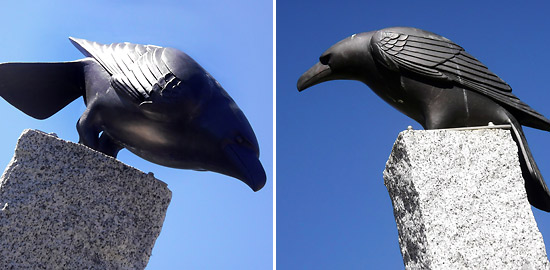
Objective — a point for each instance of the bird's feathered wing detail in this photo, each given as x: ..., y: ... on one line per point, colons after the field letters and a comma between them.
x: 137, y: 70
x: 434, y: 57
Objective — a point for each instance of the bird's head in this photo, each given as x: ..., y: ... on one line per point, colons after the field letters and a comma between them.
x: 348, y: 59
x: 211, y: 131
x: 216, y: 138
x: 229, y: 143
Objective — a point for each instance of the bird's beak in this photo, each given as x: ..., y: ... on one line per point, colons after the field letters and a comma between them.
x: 317, y: 74
x: 246, y: 166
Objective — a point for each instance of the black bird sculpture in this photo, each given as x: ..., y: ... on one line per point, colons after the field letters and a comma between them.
x: 435, y: 82
x: 157, y: 102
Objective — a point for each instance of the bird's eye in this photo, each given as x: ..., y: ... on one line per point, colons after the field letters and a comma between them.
x: 239, y: 139
x: 324, y: 59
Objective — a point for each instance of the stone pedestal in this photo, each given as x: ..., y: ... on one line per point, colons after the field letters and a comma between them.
x: 460, y: 203
x: 65, y: 206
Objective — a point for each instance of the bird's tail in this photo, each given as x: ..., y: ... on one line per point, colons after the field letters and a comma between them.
x: 537, y: 191
x: 41, y: 89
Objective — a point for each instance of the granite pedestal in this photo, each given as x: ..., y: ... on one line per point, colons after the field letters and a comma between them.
x: 460, y: 203
x: 65, y: 206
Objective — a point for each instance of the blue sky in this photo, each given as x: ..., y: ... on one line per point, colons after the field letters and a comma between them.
x: 214, y: 221
x: 333, y: 140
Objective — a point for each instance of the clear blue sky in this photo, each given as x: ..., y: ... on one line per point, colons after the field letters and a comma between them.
x: 333, y: 140
x: 214, y: 221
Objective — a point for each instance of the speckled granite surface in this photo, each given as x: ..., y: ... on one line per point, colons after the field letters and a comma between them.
x: 64, y: 206
x: 460, y: 203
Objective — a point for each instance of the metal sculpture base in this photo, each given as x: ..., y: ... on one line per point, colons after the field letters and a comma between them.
x: 460, y: 203
x: 65, y: 206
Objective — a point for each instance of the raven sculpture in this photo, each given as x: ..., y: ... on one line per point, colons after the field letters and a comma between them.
x: 435, y: 82
x: 157, y: 102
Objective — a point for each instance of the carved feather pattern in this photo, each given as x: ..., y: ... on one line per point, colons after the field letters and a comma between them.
x: 136, y: 70
x: 434, y: 57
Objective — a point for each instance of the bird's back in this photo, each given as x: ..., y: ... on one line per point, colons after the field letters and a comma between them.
x: 434, y: 59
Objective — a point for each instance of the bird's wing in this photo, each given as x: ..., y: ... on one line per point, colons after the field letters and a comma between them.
x: 433, y: 57
x: 137, y: 70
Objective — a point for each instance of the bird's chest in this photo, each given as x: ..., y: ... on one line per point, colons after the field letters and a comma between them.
x: 405, y: 95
